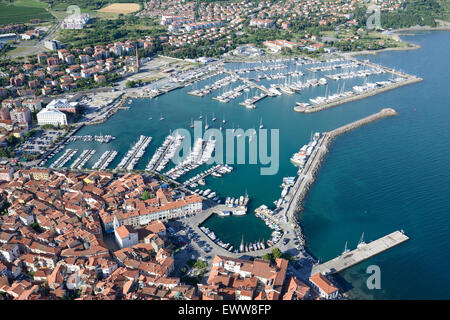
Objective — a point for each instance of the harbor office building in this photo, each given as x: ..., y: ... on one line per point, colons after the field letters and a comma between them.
x: 140, y: 217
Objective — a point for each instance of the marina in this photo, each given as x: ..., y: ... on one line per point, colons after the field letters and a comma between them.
x: 201, y: 153
x: 60, y: 162
x: 134, y: 154
x: 105, y: 159
x: 194, y: 165
x: 216, y: 171
x: 395, y: 184
x: 165, y: 153
x: 82, y: 159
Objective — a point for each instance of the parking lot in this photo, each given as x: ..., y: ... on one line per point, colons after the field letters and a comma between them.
x: 39, y: 142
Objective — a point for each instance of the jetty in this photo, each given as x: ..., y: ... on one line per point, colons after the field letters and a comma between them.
x: 68, y: 154
x: 363, y: 252
x: 85, y: 156
x: 105, y: 159
x: 221, y: 168
x: 356, y: 96
x: 250, y: 83
x: 298, y: 192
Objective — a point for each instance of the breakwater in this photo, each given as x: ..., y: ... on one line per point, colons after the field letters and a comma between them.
x: 307, y: 176
x: 359, y: 96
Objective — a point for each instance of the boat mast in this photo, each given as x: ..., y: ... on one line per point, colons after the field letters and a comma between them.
x: 361, y: 240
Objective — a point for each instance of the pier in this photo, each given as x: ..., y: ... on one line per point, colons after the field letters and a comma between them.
x: 251, y: 83
x: 298, y: 192
x: 105, y: 159
x: 357, y: 96
x: 207, y: 173
x: 82, y: 159
x: 68, y: 154
x: 363, y: 252
x: 134, y: 154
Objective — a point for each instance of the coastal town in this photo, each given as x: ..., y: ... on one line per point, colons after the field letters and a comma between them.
x: 97, y: 236
x: 95, y: 214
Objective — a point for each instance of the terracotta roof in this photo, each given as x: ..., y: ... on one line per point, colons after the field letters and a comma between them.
x: 323, y: 283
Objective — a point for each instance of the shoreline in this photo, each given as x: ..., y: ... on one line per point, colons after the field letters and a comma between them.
x: 395, y: 34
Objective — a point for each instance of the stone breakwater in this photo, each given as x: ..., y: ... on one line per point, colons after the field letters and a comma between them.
x: 307, y: 177
x: 355, y: 97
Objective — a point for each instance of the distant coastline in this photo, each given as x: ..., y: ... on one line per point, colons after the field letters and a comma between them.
x: 396, y: 33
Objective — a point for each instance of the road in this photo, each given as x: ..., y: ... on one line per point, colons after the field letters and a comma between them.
x: 39, y: 46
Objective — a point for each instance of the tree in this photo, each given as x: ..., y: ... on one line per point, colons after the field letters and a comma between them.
x: 276, y: 253
x: 267, y: 257
x: 130, y: 84
x: 145, y: 195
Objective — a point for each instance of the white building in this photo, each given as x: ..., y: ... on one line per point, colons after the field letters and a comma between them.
x: 32, y: 104
x: 51, y: 116
x: 63, y: 105
x: 9, y: 251
x: 323, y: 286
x: 75, y: 21
x: 126, y: 236
x: 52, y: 45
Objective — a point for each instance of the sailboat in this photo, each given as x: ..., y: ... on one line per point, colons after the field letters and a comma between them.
x: 161, y: 118
x: 201, y: 116
x: 192, y: 123
x: 261, y: 124
x: 206, y: 124
x: 361, y: 241
x: 213, y: 117
x: 224, y: 121
x: 345, y: 249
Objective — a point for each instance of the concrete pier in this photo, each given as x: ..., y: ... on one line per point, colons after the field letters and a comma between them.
x: 363, y: 252
x: 251, y: 83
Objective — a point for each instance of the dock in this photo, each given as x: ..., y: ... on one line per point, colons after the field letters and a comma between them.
x: 363, y: 252
x: 203, y: 174
x: 251, y: 83
x: 356, y: 96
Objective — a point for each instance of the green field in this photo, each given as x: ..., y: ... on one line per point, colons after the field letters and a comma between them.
x: 23, y: 11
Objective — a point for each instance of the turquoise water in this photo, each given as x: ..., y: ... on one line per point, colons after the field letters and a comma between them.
x: 391, y: 174
x: 178, y: 108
